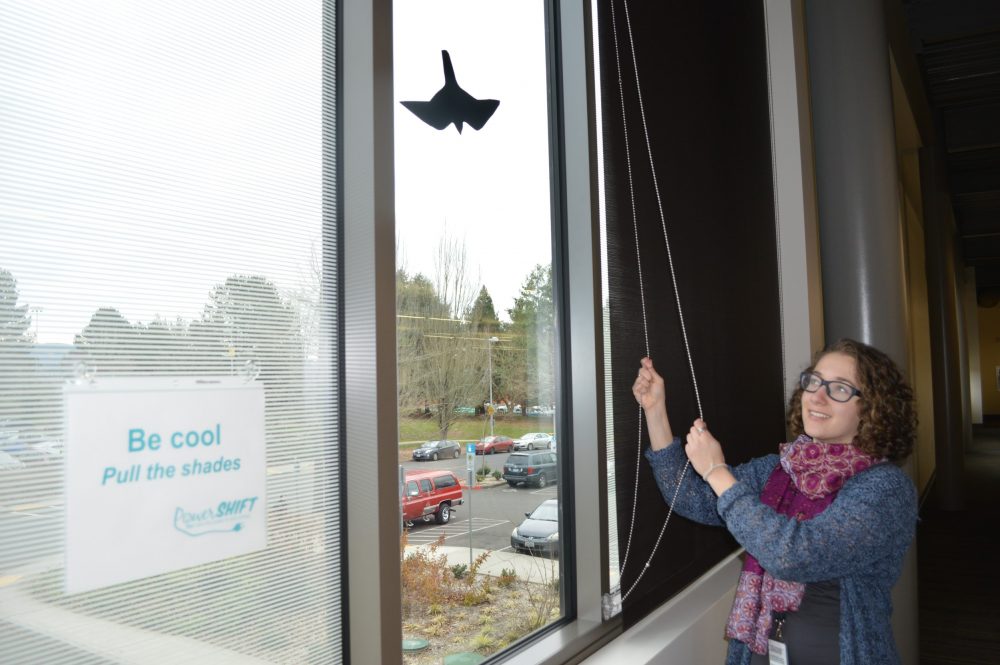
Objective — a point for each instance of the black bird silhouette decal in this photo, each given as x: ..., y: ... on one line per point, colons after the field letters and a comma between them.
x: 451, y: 104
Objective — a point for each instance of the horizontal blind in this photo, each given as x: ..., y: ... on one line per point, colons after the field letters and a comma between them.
x: 162, y: 194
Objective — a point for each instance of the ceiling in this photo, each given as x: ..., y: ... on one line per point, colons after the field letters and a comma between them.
x: 957, y: 44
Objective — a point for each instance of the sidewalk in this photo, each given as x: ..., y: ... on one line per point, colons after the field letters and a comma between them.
x: 538, y: 569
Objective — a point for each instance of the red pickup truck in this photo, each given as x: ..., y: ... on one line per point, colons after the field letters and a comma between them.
x: 428, y: 494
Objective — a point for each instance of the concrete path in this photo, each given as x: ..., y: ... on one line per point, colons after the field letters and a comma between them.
x: 536, y: 569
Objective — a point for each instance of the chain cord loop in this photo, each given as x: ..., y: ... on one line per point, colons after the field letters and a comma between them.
x: 642, y: 294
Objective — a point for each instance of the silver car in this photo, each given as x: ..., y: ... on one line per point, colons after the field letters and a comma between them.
x: 539, y: 533
x: 534, y: 441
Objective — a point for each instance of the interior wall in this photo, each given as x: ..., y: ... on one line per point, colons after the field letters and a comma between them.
x: 920, y: 375
x: 921, y: 379
x: 989, y: 358
x: 976, y: 386
x: 920, y: 465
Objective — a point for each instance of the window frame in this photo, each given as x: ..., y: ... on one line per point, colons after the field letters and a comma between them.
x: 365, y: 139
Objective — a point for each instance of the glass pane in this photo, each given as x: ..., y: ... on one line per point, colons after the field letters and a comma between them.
x: 168, y: 424
x: 476, y: 325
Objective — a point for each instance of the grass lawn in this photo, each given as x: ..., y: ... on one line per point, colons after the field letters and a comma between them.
x: 413, y: 431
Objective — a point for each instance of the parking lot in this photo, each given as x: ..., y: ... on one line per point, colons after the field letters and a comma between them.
x: 495, y: 510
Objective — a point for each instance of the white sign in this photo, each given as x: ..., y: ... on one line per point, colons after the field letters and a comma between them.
x: 162, y: 474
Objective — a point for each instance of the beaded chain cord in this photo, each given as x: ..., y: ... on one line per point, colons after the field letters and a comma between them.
x: 642, y: 294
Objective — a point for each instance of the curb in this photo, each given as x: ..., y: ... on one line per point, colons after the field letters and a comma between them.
x: 483, y: 485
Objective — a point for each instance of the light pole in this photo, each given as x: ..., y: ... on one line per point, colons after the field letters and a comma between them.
x: 37, y: 312
x: 493, y: 340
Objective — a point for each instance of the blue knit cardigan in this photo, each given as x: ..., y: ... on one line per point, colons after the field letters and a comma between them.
x: 860, y: 539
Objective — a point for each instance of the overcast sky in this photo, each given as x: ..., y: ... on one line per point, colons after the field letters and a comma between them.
x: 148, y: 151
x: 488, y: 187
x: 151, y: 150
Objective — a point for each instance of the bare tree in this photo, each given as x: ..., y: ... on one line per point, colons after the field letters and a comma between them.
x: 442, y: 356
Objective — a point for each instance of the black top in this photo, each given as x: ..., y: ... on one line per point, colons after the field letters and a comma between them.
x: 812, y: 634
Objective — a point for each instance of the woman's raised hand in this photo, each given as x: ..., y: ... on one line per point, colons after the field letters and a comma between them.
x: 648, y: 387
x: 651, y: 395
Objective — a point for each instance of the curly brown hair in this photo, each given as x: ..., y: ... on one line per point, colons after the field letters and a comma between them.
x: 888, y: 420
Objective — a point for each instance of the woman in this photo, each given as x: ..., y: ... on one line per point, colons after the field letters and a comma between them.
x: 825, y: 523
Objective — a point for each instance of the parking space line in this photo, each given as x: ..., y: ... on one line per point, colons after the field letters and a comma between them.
x: 426, y: 536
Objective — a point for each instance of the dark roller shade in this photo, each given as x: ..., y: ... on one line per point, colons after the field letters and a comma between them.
x: 703, y: 71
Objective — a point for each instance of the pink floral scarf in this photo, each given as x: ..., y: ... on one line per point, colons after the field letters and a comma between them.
x: 804, y: 483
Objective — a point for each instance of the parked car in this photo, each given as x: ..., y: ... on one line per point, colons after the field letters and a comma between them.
x: 430, y: 494
x: 434, y: 450
x: 494, y: 444
x: 534, y: 468
x: 538, y: 410
x: 9, y: 462
x: 517, y: 409
x: 539, y: 533
x: 533, y: 441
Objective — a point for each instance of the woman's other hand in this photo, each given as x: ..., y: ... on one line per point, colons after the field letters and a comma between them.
x: 702, y: 448
x: 706, y: 456
x: 650, y: 393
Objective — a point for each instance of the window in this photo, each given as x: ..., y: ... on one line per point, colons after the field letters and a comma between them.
x: 425, y: 485
x: 444, y: 481
x: 167, y: 231
x: 477, y: 306
x: 371, y: 372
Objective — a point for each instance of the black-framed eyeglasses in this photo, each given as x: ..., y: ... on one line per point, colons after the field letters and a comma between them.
x: 837, y: 390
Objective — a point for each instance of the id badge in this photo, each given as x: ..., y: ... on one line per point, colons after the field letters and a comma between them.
x: 777, y: 653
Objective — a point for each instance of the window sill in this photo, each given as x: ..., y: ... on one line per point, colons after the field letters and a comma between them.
x: 567, y: 644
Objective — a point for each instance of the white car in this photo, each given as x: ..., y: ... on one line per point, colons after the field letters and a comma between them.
x: 534, y: 441
x: 9, y: 462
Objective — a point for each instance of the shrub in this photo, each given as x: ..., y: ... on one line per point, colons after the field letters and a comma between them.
x: 422, y: 576
x: 507, y: 577
x: 431, y: 585
x: 484, y: 642
x: 497, y: 474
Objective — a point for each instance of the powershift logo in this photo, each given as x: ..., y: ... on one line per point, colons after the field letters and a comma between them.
x: 226, y: 517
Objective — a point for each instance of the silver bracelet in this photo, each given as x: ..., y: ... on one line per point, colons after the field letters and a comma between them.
x: 712, y: 468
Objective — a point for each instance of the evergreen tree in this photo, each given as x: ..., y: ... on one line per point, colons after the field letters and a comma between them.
x: 482, y: 316
x: 14, y: 320
x: 529, y: 365
x: 108, y: 344
x: 16, y: 363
